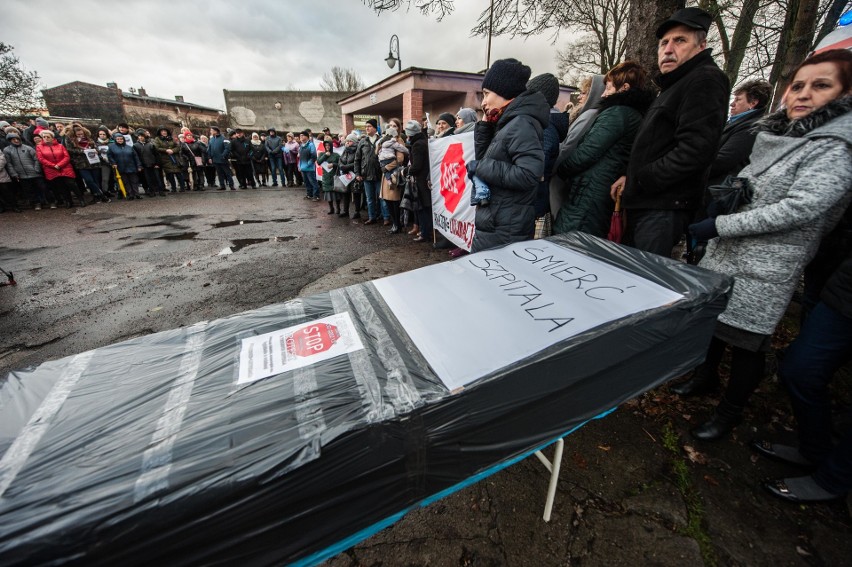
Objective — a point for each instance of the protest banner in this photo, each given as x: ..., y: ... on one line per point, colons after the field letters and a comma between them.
x: 452, y: 214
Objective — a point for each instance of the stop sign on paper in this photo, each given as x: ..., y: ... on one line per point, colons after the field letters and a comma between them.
x: 312, y: 339
x: 452, y: 176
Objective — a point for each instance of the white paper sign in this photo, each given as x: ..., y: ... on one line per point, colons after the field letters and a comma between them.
x: 296, y: 347
x: 492, y: 309
x: 452, y: 214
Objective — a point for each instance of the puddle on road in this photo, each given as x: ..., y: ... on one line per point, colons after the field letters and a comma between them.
x: 224, y: 224
x: 240, y: 243
x: 179, y: 236
x: 170, y: 221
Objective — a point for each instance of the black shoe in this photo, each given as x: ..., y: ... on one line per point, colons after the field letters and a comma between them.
x: 716, y: 427
x: 275, y: 184
x: 370, y: 221
x: 419, y: 239
x: 780, y: 453
x: 356, y: 216
x: 343, y: 214
x: 808, y: 490
x: 330, y: 213
x: 394, y: 230
x: 443, y: 244
x: 703, y: 381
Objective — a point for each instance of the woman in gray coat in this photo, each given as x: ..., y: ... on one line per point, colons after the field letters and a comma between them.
x: 801, y: 174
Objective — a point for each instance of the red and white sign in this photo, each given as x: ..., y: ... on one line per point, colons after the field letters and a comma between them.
x: 452, y: 214
x: 296, y: 347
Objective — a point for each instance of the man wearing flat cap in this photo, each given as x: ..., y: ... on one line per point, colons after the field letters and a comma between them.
x: 678, y: 138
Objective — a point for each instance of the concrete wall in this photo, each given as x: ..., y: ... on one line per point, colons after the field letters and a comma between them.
x: 284, y: 110
x: 85, y: 100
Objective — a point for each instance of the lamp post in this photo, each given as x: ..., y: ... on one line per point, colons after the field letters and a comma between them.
x: 392, y: 59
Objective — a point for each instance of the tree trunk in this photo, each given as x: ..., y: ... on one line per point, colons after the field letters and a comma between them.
x: 739, y: 43
x: 804, y: 15
x: 645, y: 17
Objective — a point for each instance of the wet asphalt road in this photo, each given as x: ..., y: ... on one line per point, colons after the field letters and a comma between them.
x: 105, y: 273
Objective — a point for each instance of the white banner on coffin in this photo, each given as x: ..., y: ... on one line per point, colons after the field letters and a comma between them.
x: 452, y: 214
x: 296, y: 347
x: 489, y: 310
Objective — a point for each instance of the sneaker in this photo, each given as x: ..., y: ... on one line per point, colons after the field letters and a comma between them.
x: 52, y: 206
x: 316, y: 198
x: 38, y: 207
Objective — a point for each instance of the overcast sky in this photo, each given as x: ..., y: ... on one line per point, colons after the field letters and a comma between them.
x: 196, y: 49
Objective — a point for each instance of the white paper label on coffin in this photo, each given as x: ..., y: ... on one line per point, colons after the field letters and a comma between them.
x: 296, y: 347
x: 488, y: 310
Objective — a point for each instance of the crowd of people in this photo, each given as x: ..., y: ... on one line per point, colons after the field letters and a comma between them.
x: 757, y: 195
x: 661, y: 147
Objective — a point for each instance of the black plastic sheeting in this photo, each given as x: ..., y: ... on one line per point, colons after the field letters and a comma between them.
x: 147, y: 452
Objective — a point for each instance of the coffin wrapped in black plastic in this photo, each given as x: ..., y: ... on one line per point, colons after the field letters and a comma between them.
x: 167, y: 449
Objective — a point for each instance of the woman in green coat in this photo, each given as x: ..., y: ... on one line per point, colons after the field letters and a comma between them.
x: 602, y: 154
x: 329, y: 173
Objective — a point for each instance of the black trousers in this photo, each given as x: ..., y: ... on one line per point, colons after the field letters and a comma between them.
x: 656, y: 231
x: 245, y: 175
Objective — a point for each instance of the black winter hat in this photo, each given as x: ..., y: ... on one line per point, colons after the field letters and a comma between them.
x: 448, y: 118
x: 546, y: 84
x: 373, y: 122
x: 507, y: 78
x: 694, y: 18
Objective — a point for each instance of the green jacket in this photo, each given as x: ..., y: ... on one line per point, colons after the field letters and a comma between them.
x: 170, y: 163
x: 328, y: 176
x: 599, y: 159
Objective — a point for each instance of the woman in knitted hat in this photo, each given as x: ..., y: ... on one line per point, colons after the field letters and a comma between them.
x: 509, y: 155
x: 444, y: 125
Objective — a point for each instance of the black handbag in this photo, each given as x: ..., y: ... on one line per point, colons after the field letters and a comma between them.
x: 729, y: 196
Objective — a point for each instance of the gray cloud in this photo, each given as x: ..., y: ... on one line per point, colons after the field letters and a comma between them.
x: 197, y: 49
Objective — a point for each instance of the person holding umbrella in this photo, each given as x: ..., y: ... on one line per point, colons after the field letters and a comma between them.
x: 602, y: 154
x: 127, y: 165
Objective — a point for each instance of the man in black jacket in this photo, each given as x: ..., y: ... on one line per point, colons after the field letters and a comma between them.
x: 678, y: 138
x: 241, y: 154
x: 748, y: 106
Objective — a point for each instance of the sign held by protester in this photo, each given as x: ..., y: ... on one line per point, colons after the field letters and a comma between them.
x: 452, y: 214
x: 492, y: 309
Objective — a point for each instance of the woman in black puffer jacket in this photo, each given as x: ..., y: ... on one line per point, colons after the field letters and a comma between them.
x: 513, y: 161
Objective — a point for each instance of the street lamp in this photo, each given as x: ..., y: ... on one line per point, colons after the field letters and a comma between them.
x: 392, y: 60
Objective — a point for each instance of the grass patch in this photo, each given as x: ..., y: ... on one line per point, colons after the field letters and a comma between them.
x: 694, y: 507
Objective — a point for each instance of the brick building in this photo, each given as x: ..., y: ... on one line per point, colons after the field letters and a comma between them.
x: 413, y: 92
x: 109, y: 105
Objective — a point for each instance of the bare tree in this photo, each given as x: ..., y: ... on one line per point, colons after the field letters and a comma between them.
x: 340, y: 79
x: 19, y: 88
x: 427, y: 7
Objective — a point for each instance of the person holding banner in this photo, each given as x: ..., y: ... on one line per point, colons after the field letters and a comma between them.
x: 513, y: 161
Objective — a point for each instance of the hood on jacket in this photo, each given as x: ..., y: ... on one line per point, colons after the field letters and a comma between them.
x: 168, y: 131
x: 530, y: 103
x: 638, y: 99
x: 821, y: 119
x: 594, y: 95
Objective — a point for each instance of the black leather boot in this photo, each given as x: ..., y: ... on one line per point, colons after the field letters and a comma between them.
x: 726, y: 417
x: 702, y: 381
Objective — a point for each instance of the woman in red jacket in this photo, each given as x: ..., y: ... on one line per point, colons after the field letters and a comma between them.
x: 56, y: 164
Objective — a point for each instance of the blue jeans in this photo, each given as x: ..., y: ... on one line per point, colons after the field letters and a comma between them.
x: 823, y: 345
x: 223, y: 170
x: 371, y: 191
x: 311, y: 186
x: 92, y: 179
x: 276, y: 166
